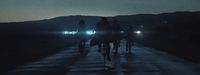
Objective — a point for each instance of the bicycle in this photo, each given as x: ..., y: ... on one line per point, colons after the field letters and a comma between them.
x: 116, y: 45
x: 81, y: 46
x: 129, y: 44
x: 106, y: 53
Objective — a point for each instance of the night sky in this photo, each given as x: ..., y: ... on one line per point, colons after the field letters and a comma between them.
x: 24, y: 10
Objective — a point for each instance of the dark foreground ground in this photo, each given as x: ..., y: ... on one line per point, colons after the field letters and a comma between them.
x: 20, y: 49
x: 142, y: 61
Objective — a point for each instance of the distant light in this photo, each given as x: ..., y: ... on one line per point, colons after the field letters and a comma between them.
x: 69, y: 32
x: 138, y: 32
x: 121, y: 31
x: 141, y: 26
x: 73, y: 32
x: 90, y: 32
x: 65, y: 32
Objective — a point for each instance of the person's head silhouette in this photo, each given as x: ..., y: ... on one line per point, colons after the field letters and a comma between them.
x: 104, y: 19
x: 81, y: 22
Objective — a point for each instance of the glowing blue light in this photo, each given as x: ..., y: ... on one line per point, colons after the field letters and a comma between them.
x: 69, y: 32
x: 90, y: 32
x: 138, y: 32
x: 65, y: 32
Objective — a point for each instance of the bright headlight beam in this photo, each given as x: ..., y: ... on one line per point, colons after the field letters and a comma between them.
x: 65, y: 32
x: 69, y: 32
x: 90, y: 32
x: 138, y: 32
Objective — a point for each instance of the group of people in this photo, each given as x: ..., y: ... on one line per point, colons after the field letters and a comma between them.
x: 107, y: 33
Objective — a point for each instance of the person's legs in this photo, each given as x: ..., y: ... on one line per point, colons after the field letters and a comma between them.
x: 108, y: 52
x: 115, y: 44
x: 100, y: 46
x: 118, y: 43
x: 108, y: 55
x: 132, y: 45
x: 127, y: 45
x: 100, y: 42
x: 80, y: 45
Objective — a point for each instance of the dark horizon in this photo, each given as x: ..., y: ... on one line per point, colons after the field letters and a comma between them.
x: 105, y: 16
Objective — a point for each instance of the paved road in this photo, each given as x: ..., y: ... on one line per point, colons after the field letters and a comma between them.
x: 142, y: 61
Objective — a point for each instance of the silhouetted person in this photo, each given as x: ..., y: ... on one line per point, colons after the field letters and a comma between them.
x: 129, y: 38
x: 116, y: 35
x: 81, y: 35
x: 103, y: 32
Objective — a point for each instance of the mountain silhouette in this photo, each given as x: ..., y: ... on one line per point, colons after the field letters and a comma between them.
x: 149, y: 21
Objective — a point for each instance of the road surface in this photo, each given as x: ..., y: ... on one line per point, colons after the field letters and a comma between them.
x: 142, y: 61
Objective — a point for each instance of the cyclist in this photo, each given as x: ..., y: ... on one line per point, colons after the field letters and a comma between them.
x: 116, y: 35
x: 129, y: 38
x: 81, y: 36
x: 103, y: 31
